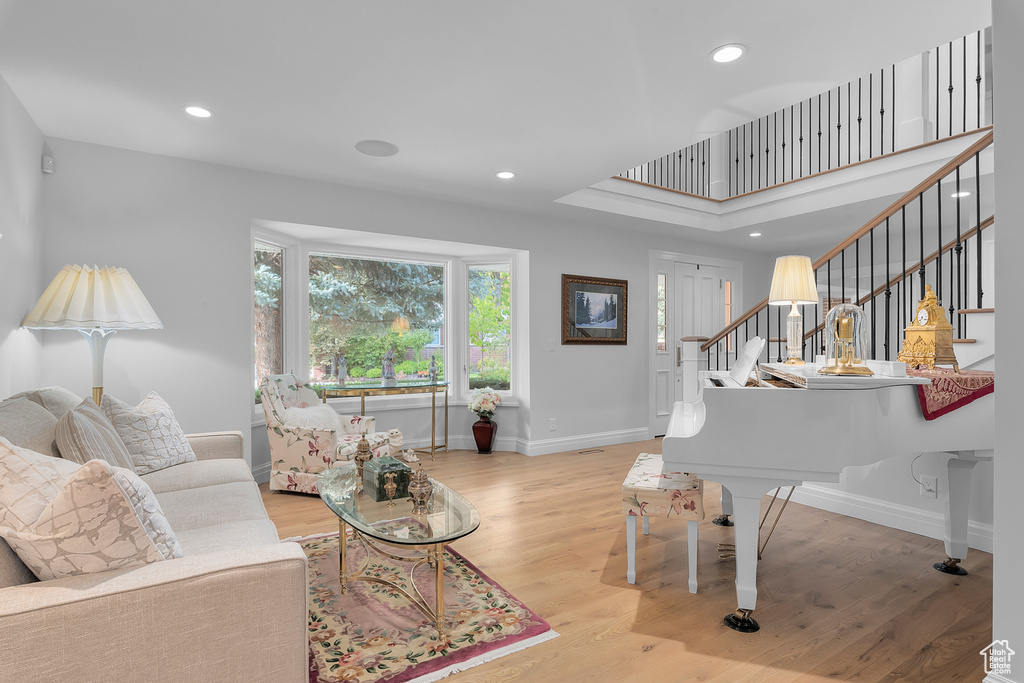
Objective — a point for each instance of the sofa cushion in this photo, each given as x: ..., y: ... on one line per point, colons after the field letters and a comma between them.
x: 96, y: 518
x: 190, y: 509
x: 84, y: 434
x: 149, y: 430
x: 194, y: 475
x: 228, y: 536
x: 27, y: 424
x: 57, y: 400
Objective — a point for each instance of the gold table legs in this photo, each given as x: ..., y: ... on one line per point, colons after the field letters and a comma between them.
x: 434, y: 557
x: 434, y: 446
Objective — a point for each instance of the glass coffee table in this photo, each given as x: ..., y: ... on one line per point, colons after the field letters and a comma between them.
x: 449, y: 517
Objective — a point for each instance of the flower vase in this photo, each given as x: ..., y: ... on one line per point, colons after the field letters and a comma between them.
x: 484, y: 431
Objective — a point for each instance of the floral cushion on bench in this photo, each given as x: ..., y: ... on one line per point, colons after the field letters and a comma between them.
x: 652, y: 490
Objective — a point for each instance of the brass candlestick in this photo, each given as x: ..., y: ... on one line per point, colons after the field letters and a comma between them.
x: 390, y: 487
x: 420, y: 489
x: 362, y: 455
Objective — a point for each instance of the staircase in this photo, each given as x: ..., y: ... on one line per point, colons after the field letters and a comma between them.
x: 932, y: 235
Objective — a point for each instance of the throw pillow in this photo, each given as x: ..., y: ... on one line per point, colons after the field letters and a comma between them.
x: 84, y: 434
x: 28, y: 482
x: 29, y: 425
x: 57, y: 400
x: 314, y: 417
x: 149, y: 430
x: 102, y: 518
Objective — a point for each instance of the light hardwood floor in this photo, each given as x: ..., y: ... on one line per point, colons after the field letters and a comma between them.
x: 838, y: 598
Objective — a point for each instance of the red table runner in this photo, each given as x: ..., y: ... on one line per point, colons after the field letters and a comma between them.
x: 950, y: 390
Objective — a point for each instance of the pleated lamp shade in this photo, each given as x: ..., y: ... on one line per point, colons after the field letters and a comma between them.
x: 97, y: 302
x: 793, y: 281
x: 84, y: 298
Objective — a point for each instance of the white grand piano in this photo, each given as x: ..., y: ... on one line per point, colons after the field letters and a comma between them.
x: 752, y: 440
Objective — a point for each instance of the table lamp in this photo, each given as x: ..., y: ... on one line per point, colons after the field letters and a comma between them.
x: 793, y: 283
x: 97, y: 302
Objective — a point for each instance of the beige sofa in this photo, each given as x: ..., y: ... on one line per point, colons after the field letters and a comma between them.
x: 232, y: 609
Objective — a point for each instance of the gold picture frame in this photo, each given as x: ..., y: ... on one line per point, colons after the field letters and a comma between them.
x: 593, y: 310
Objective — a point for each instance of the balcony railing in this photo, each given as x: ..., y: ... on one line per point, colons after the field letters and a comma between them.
x: 938, y: 94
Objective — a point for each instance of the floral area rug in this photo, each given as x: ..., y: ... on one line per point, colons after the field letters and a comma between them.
x: 373, y: 633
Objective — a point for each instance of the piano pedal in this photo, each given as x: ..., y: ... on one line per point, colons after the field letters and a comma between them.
x: 722, y: 520
x: 951, y: 566
x: 741, y: 621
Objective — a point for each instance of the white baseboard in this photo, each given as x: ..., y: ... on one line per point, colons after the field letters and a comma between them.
x: 261, y: 473
x: 582, y: 441
x: 541, y: 447
x: 893, y: 515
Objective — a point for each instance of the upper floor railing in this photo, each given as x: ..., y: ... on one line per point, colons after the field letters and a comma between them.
x: 938, y: 94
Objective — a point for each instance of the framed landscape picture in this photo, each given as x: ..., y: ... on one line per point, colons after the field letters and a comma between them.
x: 593, y: 310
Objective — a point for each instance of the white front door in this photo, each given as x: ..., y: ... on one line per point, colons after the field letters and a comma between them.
x: 688, y: 302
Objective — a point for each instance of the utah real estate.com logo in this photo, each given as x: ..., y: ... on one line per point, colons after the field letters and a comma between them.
x: 997, y: 657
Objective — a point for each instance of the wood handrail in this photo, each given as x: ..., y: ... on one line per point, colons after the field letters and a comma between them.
x: 890, y: 211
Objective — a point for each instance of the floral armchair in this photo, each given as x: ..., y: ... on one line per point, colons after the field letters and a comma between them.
x: 307, y: 437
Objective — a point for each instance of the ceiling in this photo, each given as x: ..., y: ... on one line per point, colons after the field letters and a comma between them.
x: 563, y: 92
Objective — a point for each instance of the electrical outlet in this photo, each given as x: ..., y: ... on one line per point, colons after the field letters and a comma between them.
x: 929, y: 487
x: 551, y: 425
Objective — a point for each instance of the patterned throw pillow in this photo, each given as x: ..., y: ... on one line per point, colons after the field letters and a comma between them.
x: 28, y: 482
x: 84, y: 434
x: 96, y: 518
x: 149, y: 430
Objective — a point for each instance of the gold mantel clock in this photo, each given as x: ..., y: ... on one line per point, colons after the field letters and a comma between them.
x: 928, y: 340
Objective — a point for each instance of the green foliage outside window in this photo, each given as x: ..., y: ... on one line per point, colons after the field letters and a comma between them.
x: 360, y: 308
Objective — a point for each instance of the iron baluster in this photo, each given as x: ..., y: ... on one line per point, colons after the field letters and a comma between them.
x: 959, y: 248
x: 860, y: 119
x: 819, y: 132
x: 950, y: 88
x: 977, y: 204
x: 871, y: 288
x: 881, y: 114
x: 977, y: 96
x: 888, y: 290
x: 938, y: 261
x: 903, y: 282
x: 920, y: 203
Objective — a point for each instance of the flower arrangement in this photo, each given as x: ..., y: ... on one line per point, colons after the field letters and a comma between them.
x: 484, y: 401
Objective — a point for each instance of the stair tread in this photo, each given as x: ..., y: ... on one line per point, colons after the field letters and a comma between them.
x: 965, y: 341
x: 966, y: 311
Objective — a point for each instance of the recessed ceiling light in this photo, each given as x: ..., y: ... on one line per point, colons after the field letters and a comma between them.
x: 728, y: 53
x: 198, y: 112
x: 755, y: 234
x: 377, y: 148
x: 505, y: 175
x: 957, y: 195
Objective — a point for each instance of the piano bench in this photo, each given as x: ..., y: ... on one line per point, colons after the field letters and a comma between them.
x: 648, y: 491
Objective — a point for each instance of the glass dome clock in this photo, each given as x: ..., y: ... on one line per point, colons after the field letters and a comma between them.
x: 846, y: 342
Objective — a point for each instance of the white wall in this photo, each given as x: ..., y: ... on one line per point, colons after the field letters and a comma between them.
x: 182, y: 229
x: 21, y: 146
x: 1008, y: 599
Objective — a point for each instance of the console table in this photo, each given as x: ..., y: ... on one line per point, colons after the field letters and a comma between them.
x: 432, y: 388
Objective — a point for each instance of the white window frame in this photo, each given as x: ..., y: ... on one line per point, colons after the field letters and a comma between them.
x: 289, y: 338
x: 456, y: 289
x: 508, y: 396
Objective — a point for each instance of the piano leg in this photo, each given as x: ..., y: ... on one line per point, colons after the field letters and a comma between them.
x: 723, y: 519
x: 959, y: 469
x: 746, y: 497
